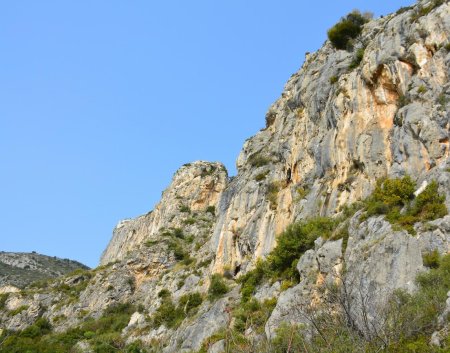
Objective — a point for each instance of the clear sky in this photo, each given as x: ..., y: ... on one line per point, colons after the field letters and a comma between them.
x: 101, y: 102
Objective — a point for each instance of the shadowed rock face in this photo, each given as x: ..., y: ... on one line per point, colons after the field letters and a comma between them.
x: 21, y: 269
x: 333, y: 133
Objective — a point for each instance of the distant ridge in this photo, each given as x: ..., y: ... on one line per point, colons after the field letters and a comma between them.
x: 21, y: 269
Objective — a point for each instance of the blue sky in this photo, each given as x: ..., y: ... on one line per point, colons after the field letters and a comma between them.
x: 101, y: 102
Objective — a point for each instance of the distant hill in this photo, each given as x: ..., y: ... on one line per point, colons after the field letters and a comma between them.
x: 21, y: 269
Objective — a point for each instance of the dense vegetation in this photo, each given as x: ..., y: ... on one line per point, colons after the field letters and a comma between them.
x: 282, y: 261
x: 395, y: 199
x: 172, y: 315
x: 343, y: 33
x: 103, y: 334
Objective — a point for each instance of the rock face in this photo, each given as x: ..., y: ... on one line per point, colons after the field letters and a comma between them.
x: 336, y: 129
x: 21, y: 269
x: 378, y: 260
x: 195, y: 187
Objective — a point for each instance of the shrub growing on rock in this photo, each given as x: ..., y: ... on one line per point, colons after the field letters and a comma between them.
x: 294, y: 241
x: 395, y: 199
x: 217, y: 287
x: 341, y: 35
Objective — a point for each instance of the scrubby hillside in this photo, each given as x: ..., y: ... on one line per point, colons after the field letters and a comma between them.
x: 22, y: 269
x: 333, y: 237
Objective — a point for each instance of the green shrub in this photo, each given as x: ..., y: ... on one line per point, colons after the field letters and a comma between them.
x: 190, y: 302
x: 406, y: 323
x: 391, y: 196
x: 18, y: 310
x: 184, y: 209
x: 178, y: 233
x: 422, y: 89
x: 168, y: 314
x: 150, y: 243
x: 39, y: 328
x: 431, y: 259
x: 333, y: 80
x: 211, y: 209
x: 286, y: 284
x: 429, y: 205
x: 103, y: 334
x: 253, y: 314
x: 281, y: 262
x: 294, y: 241
x: 135, y: 347
x: 172, y: 316
x: 254, y: 278
x: 349, y: 210
x: 403, y: 9
x: 258, y: 160
x: 394, y: 192
x: 89, y: 334
x: 261, y: 176
x: 3, y: 298
x: 217, y: 287
x: 189, y: 221
x: 288, y: 338
x: 164, y: 293
x: 302, y: 192
x: 178, y: 252
x: 341, y: 35
x: 403, y: 100
x: 209, y: 170
x: 357, y: 59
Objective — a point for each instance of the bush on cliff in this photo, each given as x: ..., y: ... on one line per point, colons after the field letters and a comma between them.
x: 294, y: 241
x: 395, y: 199
x: 282, y: 261
x: 217, y: 287
x: 342, y: 34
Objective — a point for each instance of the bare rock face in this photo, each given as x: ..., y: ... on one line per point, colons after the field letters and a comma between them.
x: 335, y: 130
x: 378, y: 260
x: 195, y: 187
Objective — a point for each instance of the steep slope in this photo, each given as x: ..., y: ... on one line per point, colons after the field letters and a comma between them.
x: 195, y: 187
x: 21, y: 269
x: 345, y: 121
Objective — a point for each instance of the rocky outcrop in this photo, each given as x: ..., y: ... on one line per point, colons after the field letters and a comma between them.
x: 378, y: 261
x: 21, y: 269
x: 195, y: 187
x: 336, y: 130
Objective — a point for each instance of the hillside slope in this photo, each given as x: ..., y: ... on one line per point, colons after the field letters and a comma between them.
x: 333, y: 237
x: 21, y: 269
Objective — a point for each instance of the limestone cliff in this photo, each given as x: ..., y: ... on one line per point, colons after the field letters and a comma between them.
x: 344, y: 120
x: 195, y: 187
x: 336, y: 130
